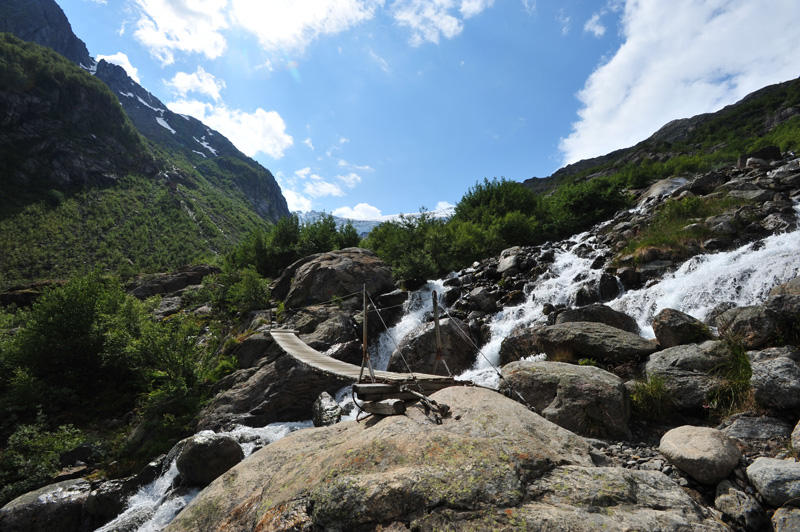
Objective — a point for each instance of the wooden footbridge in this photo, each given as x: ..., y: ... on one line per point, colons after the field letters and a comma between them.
x: 386, y: 384
x: 383, y: 392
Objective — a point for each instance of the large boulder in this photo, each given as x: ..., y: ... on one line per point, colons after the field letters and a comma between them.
x: 206, y: 456
x: 326, y: 411
x: 340, y: 273
x: 167, y: 283
x: 521, y: 343
x: 778, y: 481
x: 754, y: 326
x: 673, y: 327
x: 706, y: 454
x: 418, y: 349
x: 598, y: 313
x: 54, y: 507
x: 687, y: 371
x: 491, y: 465
x: 278, y: 389
x: 739, y: 508
x: 775, y: 378
x: 584, y: 399
x: 574, y: 341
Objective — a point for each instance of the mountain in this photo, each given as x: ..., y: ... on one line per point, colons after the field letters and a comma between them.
x: 724, y: 134
x: 89, y: 183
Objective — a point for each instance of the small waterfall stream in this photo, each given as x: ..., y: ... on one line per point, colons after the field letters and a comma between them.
x: 743, y: 276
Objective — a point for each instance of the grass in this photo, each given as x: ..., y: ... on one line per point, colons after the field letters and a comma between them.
x: 651, y: 400
x: 734, y: 393
x: 677, y: 224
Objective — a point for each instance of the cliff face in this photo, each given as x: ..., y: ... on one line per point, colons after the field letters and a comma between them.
x: 46, y: 24
x: 43, y: 22
x: 60, y: 127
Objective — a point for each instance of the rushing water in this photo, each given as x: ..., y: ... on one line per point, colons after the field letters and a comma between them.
x: 743, y: 276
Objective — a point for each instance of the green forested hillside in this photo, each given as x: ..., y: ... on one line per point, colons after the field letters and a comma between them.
x: 82, y: 189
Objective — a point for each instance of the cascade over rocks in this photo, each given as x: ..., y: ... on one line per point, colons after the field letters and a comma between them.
x: 584, y: 399
x: 491, y: 465
x: 419, y: 349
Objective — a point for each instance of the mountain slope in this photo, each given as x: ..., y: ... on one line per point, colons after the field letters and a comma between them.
x: 720, y: 137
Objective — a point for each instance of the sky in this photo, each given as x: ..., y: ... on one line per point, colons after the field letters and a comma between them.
x: 368, y: 108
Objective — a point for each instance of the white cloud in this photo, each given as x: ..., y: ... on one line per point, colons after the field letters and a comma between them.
x: 317, y: 188
x: 166, y: 26
x: 428, y: 19
x: 564, y: 20
x: 594, y: 26
x: 308, y: 143
x: 362, y: 211
x: 470, y: 8
x: 343, y: 140
x: 351, y: 179
x: 123, y: 61
x: 201, y: 82
x: 679, y: 59
x: 530, y: 5
x: 380, y: 60
x: 101, y: 2
x: 295, y: 201
x: 282, y: 25
x: 261, y: 131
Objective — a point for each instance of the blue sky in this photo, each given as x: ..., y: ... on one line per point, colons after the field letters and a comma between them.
x: 365, y: 108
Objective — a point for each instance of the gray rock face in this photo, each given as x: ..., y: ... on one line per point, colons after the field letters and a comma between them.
x: 326, y: 411
x: 167, y: 283
x: 54, y: 507
x: 755, y: 429
x: 598, y: 313
x: 490, y: 466
x: 778, y: 481
x: 207, y: 456
x: 673, y: 327
x: 419, y: 349
x: 790, y: 288
x: 482, y: 300
x: 706, y: 454
x: 739, y: 508
x: 755, y: 326
x: 775, y: 377
x: 686, y: 371
x: 519, y: 344
x: 786, y: 519
x: 278, y: 389
x: 338, y: 273
x: 573, y: 341
x: 584, y: 399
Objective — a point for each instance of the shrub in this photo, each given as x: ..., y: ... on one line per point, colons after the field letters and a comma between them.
x: 650, y: 399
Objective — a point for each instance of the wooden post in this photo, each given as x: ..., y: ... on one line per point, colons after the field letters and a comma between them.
x: 365, y: 354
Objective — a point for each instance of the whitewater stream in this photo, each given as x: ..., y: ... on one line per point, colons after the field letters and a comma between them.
x: 743, y: 276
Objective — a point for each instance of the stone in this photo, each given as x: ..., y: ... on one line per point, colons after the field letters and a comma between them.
x: 789, y: 288
x: 739, y: 508
x: 517, y: 345
x: 55, y: 507
x: 251, y: 349
x: 320, y: 277
x: 778, y: 481
x: 673, y: 327
x: 687, y: 372
x: 752, y: 429
x: 608, y: 287
x: 705, y: 454
x: 491, y: 465
x: 775, y: 377
x: 786, y: 519
x: 106, y: 502
x: 278, y: 389
x: 755, y: 326
x: 584, y: 399
x: 483, y: 300
x: 206, y: 456
x: 418, y: 349
x: 796, y: 436
x: 630, y: 278
x: 326, y: 411
x: 603, y: 343
x: 167, y: 283
x: 598, y: 313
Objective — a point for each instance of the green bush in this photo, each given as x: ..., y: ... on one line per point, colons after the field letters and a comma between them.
x: 651, y: 400
x: 31, y: 456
